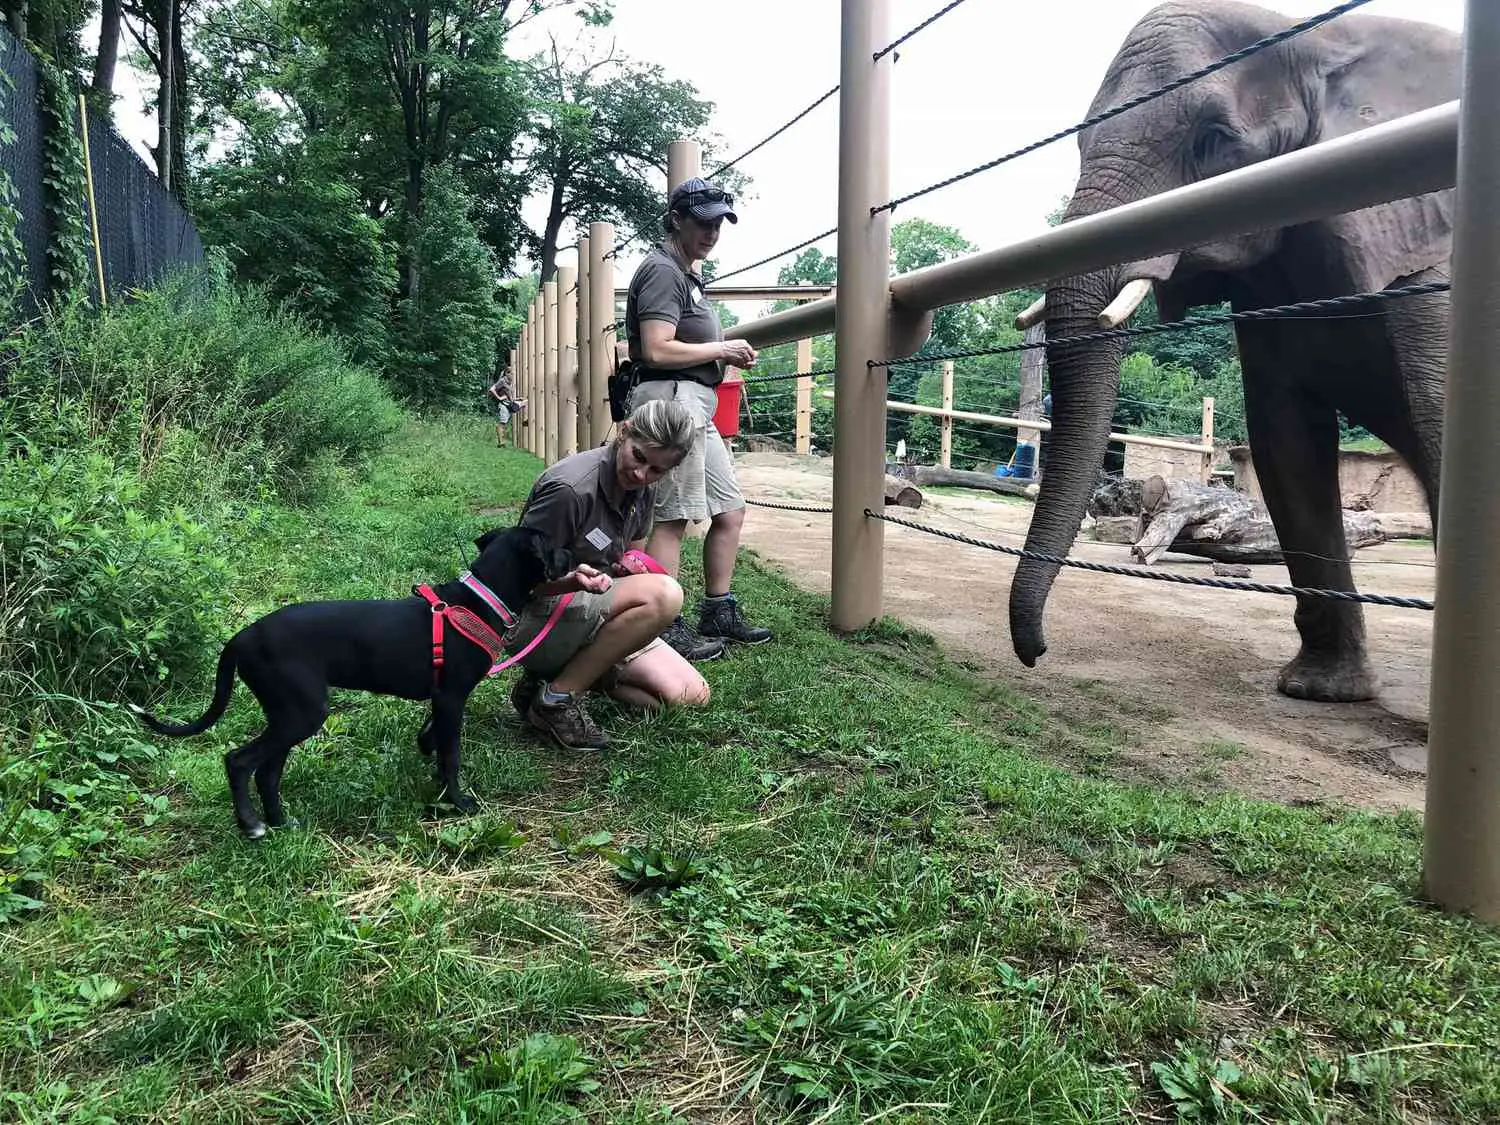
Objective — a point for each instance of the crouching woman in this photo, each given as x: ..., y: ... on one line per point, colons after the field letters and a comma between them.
x: 598, y: 505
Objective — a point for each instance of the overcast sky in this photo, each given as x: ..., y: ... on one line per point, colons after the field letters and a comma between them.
x: 988, y: 78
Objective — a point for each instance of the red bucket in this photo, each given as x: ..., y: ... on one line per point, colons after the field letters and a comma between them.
x: 727, y: 415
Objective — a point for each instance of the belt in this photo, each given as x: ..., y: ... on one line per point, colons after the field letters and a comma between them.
x: 649, y: 376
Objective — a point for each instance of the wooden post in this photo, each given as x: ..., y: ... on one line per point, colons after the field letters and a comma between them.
x: 683, y: 163
x: 1033, y: 364
x: 567, y: 361
x: 804, y: 397
x: 1461, y: 853
x: 528, y: 378
x: 554, y: 399
x: 601, y: 336
x: 539, y: 380
x: 861, y: 331
x: 1208, y: 438
x: 585, y: 352
x: 945, y: 455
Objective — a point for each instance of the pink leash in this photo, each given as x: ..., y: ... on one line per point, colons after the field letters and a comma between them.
x: 557, y: 612
x: 637, y: 562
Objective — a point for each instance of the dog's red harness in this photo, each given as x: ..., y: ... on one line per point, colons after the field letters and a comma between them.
x: 473, y: 627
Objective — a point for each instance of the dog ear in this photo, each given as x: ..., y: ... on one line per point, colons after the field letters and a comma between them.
x: 487, y: 538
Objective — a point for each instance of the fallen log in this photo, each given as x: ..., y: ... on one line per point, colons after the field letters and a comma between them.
x: 902, y: 493
x: 960, y: 478
x: 1228, y: 526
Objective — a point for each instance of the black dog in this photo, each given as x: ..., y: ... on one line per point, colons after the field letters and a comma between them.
x: 292, y: 656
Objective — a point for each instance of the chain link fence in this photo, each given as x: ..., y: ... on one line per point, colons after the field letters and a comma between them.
x: 144, y: 232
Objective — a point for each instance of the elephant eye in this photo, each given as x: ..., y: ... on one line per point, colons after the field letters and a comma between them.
x: 1212, y: 147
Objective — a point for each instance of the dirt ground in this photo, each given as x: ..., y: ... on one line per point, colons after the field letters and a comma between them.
x: 1186, y: 673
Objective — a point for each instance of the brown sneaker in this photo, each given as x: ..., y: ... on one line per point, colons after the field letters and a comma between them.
x: 569, y: 722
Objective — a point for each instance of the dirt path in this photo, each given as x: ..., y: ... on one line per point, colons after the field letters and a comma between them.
x: 1186, y: 674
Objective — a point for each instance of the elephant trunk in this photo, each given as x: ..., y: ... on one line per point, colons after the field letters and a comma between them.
x: 1085, y: 380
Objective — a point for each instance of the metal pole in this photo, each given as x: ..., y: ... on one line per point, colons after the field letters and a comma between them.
x: 585, y: 395
x: 945, y: 456
x: 864, y: 250
x: 554, y: 399
x: 1461, y: 858
x: 601, y: 336
x: 804, y: 397
x: 567, y: 361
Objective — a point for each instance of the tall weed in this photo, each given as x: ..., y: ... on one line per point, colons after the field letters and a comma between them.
x: 259, y: 391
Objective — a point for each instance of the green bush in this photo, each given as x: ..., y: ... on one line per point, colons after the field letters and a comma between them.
x: 139, y: 448
x: 103, y: 597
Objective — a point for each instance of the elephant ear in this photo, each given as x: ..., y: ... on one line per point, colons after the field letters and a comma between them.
x: 1370, y: 70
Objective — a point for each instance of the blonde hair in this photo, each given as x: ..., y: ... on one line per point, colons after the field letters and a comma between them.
x: 663, y: 424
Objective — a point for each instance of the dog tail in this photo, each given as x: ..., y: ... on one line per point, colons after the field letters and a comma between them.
x: 223, y: 689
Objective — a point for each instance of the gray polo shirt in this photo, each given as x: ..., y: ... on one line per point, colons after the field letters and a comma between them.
x: 578, y: 504
x: 663, y: 290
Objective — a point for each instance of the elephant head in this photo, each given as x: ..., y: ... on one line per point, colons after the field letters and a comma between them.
x: 1349, y: 74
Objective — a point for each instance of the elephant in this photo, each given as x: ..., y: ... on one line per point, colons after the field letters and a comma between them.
x: 1383, y: 366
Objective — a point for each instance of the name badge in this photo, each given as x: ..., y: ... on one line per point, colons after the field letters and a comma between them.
x: 597, y: 539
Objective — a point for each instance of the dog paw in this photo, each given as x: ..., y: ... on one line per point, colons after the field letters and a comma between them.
x: 254, y: 831
x: 461, y: 804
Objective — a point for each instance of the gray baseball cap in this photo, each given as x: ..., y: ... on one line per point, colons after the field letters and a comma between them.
x: 702, y: 201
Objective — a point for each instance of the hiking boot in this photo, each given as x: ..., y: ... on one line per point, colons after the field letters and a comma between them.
x: 685, y: 639
x: 523, y: 692
x: 723, y: 617
x: 568, y: 722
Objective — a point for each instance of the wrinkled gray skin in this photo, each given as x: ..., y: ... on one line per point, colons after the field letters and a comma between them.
x: 1386, y: 371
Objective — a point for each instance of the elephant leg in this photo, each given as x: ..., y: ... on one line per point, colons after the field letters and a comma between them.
x: 1294, y: 440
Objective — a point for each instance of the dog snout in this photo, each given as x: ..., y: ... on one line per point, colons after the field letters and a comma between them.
x: 559, y: 561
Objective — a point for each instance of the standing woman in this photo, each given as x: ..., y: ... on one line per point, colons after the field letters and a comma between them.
x: 678, y: 345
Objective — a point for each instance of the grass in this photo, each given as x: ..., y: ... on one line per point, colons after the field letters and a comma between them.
x: 849, y: 890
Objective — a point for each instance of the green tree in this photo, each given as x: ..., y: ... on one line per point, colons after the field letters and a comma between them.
x: 452, y: 322
x: 598, y: 141
x: 309, y: 242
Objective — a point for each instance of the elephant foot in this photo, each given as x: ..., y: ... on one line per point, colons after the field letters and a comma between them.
x: 1327, y: 678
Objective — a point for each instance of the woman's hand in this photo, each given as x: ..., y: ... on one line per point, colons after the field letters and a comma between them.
x: 586, y: 579
x: 738, y: 353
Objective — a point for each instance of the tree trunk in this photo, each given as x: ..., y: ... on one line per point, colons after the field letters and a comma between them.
x: 16, y: 12
x: 1033, y: 364
x: 960, y: 478
x: 166, y: 46
x: 553, y: 228
x: 1229, y: 526
x: 179, y: 106
x: 109, y: 50
x: 901, y: 493
x: 413, y: 218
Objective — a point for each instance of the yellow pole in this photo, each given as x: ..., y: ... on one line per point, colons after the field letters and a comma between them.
x: 88, y: 177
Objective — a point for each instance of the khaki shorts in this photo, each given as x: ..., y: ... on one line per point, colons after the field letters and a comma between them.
x: 575, y: 630
x: 704, y: 484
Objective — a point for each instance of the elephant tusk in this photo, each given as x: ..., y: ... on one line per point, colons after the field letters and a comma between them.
x: 1031, y: 314
x: 1118, y: 311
